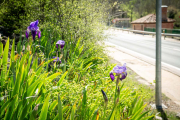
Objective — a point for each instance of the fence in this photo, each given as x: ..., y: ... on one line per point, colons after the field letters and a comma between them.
x: 171, y: 31
x: 147, y: 33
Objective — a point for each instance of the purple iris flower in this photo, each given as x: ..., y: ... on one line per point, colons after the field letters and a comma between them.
x: 34, y: 29
x: 112, y: 76
x: 56, y: 59
x: 123, y: 76
x: 61, y: 43
x: 120, y: 69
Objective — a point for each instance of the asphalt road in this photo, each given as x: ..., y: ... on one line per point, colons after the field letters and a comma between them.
x: 146, y: 45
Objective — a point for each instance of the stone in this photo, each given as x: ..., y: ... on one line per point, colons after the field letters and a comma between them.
x: 158, y: 118
x: 178, y: 115
x: 5, y: 37
x: 3, y: 42
x: 154, y: 106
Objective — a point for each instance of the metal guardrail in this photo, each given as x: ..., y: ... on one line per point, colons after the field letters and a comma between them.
x: 147, y: 33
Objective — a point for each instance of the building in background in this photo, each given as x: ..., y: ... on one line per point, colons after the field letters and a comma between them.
x: 117, y: 16
x: 149, y: 21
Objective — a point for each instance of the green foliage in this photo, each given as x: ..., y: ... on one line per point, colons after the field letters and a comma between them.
x: 70, y: 17
x: 177, y: 18
x: 33, y: 93
x: 35, y: 87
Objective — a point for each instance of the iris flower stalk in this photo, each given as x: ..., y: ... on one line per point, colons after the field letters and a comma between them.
x: 121, y: 74
x: 60, y: 45
x: 105, y: 101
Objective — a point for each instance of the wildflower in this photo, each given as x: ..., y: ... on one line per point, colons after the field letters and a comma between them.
x: 56, y: 59
x: 112, y: 76
x: 123, y: 76
x: 120, y: 69
x: 105, y: 97
x: 61, y: 43
x: 34, y: 29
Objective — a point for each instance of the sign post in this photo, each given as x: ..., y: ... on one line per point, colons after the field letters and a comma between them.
x: 158, y: 54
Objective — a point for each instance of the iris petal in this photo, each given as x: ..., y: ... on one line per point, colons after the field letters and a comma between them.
x: 39, y: 34
x: 27, y: 34
x: 119, y: 69
x: 34, y: 34
x: 123, y: 76
x: 61, y: 43
x: 57, y: 59
x: 112, y: 76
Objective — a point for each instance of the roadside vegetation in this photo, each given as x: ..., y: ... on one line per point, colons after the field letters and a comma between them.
x: 59, y: 80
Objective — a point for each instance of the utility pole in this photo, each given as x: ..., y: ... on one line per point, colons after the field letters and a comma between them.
x: 158, y: 53
x: 131, y: 15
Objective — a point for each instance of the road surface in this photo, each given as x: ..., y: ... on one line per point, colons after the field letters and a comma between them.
x: 146, y: 45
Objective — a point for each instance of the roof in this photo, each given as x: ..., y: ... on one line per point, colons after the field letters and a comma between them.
x: 151, y: 18
x: 164, y: 6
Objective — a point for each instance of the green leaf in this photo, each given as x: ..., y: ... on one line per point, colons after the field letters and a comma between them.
x: 5, y: 61
x: 53, y: 105
x: 50, y: 78
x: 6, y: 104
x: 148, y: 117
x: 57, y: 116
x: 96, y: 113
x: 132, y: 106
x: 137, y: 106
x: 32, y: 87
x: 12, y: 62
x: 112, y: 113
x: 73, y: 112
x: 60, y: 108
x: 44, y: 110
x: 138, y: 113
x: 80, y: 50
x: 1, y: 48
x: 77, y: 44
x: 84, y: 101
x: 27, y: 104
x: 62, y: 78
x: 142, y: 115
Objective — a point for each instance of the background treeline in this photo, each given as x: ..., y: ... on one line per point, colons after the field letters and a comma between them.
x: 140, y: 8
x: 82, y: 18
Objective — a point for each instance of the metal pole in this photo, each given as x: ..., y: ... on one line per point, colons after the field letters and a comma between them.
x: 158, y: 54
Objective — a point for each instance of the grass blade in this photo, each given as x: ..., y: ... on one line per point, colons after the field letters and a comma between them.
x: 60, y: 108
x: 62, y: 78
x: 96, y: 113
x: 73, y: 112
x: 44, y: 110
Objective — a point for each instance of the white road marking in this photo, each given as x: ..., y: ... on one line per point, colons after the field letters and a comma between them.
x: 147, y: 59
x: 176, y: 49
